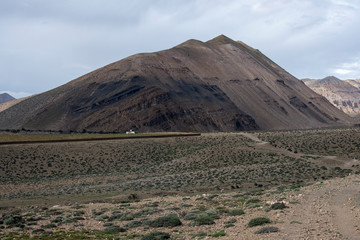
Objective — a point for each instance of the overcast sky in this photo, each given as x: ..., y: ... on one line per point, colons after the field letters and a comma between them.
x: 46, y: 43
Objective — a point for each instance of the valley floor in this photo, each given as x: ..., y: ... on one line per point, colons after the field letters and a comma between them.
x: 304, y: 185
x: 323, y: 210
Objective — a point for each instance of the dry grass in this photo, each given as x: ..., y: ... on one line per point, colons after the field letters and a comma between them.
x: 6, y: 138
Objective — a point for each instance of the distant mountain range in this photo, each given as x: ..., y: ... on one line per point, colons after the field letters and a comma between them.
x: 5, y: 97
x: 218, y: 85
x: 345, y: 95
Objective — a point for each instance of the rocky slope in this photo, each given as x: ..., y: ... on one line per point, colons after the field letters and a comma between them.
x: 345, y: 95
x: 218, y: 85
x: 8, y: 104
x: 5, y: 97
x: 354, y: 82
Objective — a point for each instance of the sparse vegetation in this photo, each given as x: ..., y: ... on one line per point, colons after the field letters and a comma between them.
x: 156, y: 236
x: 170, y: 220
x: 219, y: 234
x: 267, y: 230
x: 81, y: 173
x: 278, y: 205
x: 258, y: 221
x: 236, y: 212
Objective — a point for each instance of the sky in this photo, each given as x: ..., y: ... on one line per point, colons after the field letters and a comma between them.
x: 47, y: 43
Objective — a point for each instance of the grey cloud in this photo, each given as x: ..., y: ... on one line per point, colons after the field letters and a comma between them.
x: 47, y: 43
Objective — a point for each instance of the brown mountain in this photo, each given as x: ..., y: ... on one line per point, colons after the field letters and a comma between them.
x: 8, y: 104
x: 345, y: 95
x: 218, y: 85
x: 5, y: 97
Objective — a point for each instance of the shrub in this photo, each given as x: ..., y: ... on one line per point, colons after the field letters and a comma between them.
x: 253, y: 200
x: 156, y: 236
x: 278, y: 205
x: 229, y: 225
x: 50, y: 225
x: 12, y: 220
x: 40, y: 230
x: 127, y: 217
x: 102, y: 217
x: 258, y: 221
x: 236, y: 212
x: 170, y: 220
x: 219, y: 234
x: 267, y: 230
x: 191, y: 216
x: 79, y: 213
x: 203, y: 219
x: 114, y: 229
x: 211, y: 213
x: 133, y: 224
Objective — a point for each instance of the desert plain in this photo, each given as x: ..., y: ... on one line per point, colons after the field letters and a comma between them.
x: 298, y: 184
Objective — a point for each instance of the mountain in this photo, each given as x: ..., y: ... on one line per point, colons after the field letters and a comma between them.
x: 345, y: 95
x: 354, y: 82
x: 5, y: 97
x: 8, y: 104
x: 218, y: 85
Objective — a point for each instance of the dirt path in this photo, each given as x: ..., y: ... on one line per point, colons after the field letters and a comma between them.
x: 345, y: 216
x: 328, y: 211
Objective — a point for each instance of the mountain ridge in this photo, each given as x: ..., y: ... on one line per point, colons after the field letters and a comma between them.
x: 343, y: 94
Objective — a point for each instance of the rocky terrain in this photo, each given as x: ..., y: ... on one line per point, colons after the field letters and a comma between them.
x: 324, y: 210
x: 354, y: 82
x: 218, y: 85
x: 345, y: 95
x: 5, y: 97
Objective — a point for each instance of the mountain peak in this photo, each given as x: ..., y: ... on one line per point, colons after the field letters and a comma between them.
x: 331, y: 78
x: 5, y: 97
x: 221, y: 39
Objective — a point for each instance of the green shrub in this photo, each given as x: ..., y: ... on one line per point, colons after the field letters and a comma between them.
x: 50, y: 225
x: 190, y: 216
x: 127, y: 217
x: 102, y: 217
x: 253, y: 205
x: 211, y: 213
x: 156, y: 236
x: 170, y: 220
x: 229, y: 225
x: 258, y: 221
x: 133, y: 224
x: 236, y: 212
x: 267, y: 230
x: 114, y: 229
x: 219, y: 234
x: 203, y: 219
x: 253, y: 200
x: 79, y: 213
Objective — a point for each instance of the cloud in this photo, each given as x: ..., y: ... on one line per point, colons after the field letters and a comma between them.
x: 45, y: 44
x: 348, y: 70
